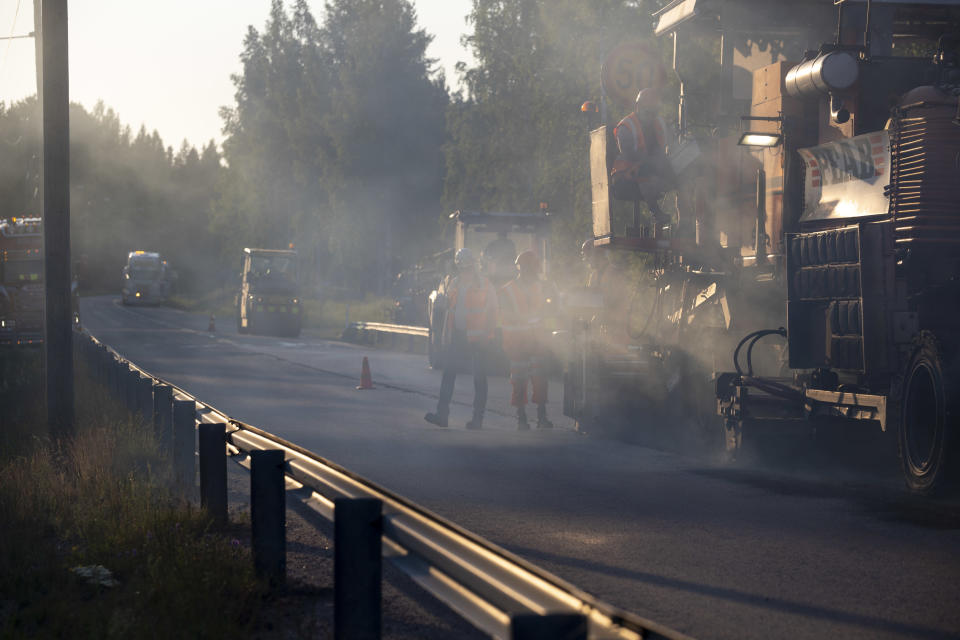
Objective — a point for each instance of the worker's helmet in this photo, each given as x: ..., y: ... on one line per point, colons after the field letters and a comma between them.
x: 647, y: 100
x: 464, y: 258
x: 528, y: 261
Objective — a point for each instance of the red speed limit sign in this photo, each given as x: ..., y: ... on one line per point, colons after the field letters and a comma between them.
x: 630, y: 67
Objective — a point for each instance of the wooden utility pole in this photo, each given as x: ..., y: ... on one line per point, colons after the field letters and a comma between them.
x: 56, y: 217
x: 38, y: 54
x: 38, y: 49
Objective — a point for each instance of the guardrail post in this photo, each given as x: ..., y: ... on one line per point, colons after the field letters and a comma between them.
x: 133, y: 382
x: 120, y: 370
x: 530, y: 626
x: 163, y: 416
x: 213, y: 470
x: 112, y: 373
x: 99, y: 364
x: 268, y: 515
x: 184, y: 440
x: 357, y: 566
x: 123, y: 382
x: 105, y: 358
x: 145, y: 398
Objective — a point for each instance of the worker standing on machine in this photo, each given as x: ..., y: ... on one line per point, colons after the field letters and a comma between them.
x: 641, y: 170
x: 524, y: 302
x: 467, y: 334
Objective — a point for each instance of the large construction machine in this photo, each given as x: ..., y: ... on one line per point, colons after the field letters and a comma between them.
x: 811, y: 274
x: 21, y: 281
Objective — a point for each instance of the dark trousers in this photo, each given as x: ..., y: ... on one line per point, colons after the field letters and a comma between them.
x: 461, y: 354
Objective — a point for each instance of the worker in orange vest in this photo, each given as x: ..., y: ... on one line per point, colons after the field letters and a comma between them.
x: 523, y: 304
x: 467, y: 335
x: 641, y: 170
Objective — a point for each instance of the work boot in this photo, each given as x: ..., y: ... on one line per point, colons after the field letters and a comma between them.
x: 439, y: 419
x: 542, y: 422
x: 477, y: 422
x: 522, y: 424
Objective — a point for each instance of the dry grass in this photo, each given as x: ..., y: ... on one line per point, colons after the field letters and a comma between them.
x: 100, y: 499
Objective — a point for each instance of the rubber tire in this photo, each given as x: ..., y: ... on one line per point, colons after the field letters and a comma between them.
x: 926, y: 428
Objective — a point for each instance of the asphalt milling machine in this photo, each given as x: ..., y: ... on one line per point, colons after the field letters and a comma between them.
x: 810, y: 280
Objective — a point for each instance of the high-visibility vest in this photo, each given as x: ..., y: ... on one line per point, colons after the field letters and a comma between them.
x: 522, y: 311
x: 479, y: 300
x: 632, y: 141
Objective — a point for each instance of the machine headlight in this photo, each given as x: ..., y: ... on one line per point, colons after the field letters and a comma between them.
x: 295, y: 301
x: 8, y: 324
x: 126, y: 276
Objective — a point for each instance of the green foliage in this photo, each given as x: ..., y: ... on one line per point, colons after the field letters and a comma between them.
x: 98, y: 501
x: 127, y: 192
x: 344, y: 141
x: 518, y: 137
x: 329, y: 317
x: 334, y: 141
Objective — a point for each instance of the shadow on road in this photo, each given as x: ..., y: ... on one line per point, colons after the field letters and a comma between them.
x: 740, y: 597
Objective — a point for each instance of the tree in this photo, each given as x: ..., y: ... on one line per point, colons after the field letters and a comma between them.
x: 517, y: 138
x: 336, y: 135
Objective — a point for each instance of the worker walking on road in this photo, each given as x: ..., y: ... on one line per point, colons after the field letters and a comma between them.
x: 467, y: 335
x: 524, y: 301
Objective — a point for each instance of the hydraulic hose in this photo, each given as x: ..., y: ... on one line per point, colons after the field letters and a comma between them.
x: 653, y: 310
x: 753, y: 337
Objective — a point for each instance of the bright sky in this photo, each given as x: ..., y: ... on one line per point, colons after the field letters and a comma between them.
x: 168, y: 64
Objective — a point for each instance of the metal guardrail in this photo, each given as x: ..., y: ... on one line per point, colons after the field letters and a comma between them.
x: 487, y: 585
x: 385, y: 327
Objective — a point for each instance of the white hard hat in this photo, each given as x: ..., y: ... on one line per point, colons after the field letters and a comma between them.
x: 464, y: 257
x: 647, y: 98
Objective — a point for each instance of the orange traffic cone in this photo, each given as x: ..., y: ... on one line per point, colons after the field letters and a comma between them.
x: 366, y: 382
x: 212, y: 325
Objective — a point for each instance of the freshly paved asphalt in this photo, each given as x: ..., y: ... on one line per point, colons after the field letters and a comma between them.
x: 801, y: 547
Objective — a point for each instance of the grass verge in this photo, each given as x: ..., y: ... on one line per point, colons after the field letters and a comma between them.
x: 93, y: 544
x: 329, y: 317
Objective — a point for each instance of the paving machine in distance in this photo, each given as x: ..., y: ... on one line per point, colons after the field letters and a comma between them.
x: 21, y: 281
x: 269, y: 298
x: 497, y: 239
x: 146, y: 278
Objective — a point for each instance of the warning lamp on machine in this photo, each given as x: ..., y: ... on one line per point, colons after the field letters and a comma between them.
x: 754, y: 139
x: 589, y: 107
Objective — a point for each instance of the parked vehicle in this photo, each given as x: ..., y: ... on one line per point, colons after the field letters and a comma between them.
x: 21, y: 281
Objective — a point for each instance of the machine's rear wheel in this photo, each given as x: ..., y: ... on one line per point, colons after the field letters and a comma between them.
x: 925, y: 430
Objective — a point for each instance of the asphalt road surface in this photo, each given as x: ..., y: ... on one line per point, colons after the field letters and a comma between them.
x: 790, y: 548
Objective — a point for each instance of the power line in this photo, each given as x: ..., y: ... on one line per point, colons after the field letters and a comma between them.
x: 6, y: 51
